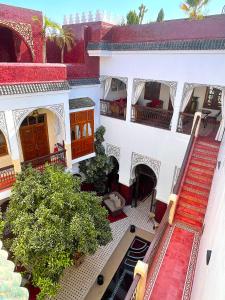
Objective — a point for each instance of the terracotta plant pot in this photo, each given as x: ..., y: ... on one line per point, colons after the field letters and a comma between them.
x: 78, y: 259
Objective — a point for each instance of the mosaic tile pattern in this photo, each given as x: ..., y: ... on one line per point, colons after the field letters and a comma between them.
x: 76, y: 282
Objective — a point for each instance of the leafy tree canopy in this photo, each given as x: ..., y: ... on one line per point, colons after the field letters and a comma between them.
x: 194, y: 8
x: 160, y: 16
x: 51, y: 220
x: 134, y: 17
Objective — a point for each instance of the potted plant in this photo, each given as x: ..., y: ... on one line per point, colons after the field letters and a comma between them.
x: 96, y: 169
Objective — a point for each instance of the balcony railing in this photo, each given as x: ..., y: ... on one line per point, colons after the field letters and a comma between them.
x: 151, y: 116
x: 56, y: 158
x: 31, y: 72
x: 185, y: 123
x: 113, y: 109
x: 7, y: 177
x: 82, y: 147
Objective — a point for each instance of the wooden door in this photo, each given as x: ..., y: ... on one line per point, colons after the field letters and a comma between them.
x: 34, y: 140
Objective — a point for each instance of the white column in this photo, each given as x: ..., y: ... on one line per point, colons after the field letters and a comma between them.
x: 13, y: 141
x: 177, y: 105
x: 68, y: 136
x: 129, y: 98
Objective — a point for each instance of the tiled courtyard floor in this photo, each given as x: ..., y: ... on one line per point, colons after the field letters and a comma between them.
x: 76, y: 282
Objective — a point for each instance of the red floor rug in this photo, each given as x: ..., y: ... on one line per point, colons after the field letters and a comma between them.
x: 121, y: 216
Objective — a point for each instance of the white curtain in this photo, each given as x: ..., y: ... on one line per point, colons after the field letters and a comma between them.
x: 137, y: 92
x: 107, y: 86
x: 220, y: 131
x: 186, y: 99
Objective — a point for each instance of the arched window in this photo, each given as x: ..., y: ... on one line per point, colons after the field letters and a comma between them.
x: 3, y: 145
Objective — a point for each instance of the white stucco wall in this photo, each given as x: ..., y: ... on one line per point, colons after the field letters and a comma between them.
x: 166, y: 146
x: 209, y: 280
x: 158, y: 144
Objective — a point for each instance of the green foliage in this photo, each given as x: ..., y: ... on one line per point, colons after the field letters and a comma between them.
x: 194, y: 8
x: 160, y: 16
x: 51, y: 220
x: 137, y: 18
x: 96, y: 169
x: 2, y: 225
x: 132, y: 18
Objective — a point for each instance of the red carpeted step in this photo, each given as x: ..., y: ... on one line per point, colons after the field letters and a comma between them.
x: 196, y: 189
x: 196, y: 176
x: 190, y: 213
x: 209, y: 156
x: 211, y: 144
x: 198, y: 182
x: 196, y: 228
x: 203, y: 162
x: 188, y: 221
x: 201, y: 169
x: 185, y: 201
x: 194, y: 197
x: 206, y: 148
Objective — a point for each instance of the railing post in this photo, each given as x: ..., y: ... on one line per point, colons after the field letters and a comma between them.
x: 199, y: 123
x: 142, y: 269
x: 172, y: 199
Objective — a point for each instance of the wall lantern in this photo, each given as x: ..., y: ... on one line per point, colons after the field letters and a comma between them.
x: 100, y: 279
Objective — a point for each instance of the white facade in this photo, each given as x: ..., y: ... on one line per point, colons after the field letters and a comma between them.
x: 165, y: 146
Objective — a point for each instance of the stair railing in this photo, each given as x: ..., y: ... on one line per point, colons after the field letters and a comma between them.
x: 173, y: 198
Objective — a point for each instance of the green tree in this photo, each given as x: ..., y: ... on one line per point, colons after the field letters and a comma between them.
x: 96, y: 169
x: 51, y: 220
x: 160, y: 16
x: 194, y: 8
x: 132, y: 18
x: 49, y: 29
x: 64, y: 39
x: 142, y: 11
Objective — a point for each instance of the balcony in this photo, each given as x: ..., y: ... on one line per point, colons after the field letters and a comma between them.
x: 113, y: 108
x: 7, y: 177
x: 31, y: 72
x: 155, y: 117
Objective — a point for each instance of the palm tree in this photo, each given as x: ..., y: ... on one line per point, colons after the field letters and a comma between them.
x: 194, y: 8
x: 49, y: 30
x: 64, y: 39
x: 142, y: 11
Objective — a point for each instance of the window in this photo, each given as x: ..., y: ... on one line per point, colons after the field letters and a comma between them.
x: 213, y: 98
x: 3, y: 145
x: 117, y: 85
x: 82, y: 133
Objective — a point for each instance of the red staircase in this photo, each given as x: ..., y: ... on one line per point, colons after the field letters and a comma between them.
x: 193, y: 197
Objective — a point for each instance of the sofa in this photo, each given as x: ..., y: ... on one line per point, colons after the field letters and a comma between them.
x: 114, y: 202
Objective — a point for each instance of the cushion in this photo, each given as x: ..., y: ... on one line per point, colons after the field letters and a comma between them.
x: 110, y: 204
x: 117, y: 202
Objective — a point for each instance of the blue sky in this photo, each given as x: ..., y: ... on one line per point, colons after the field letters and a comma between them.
x: 56, y: 9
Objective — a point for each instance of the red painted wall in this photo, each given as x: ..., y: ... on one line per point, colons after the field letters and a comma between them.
x: 22, y: 15
x: 79, y: 63
x: 212, y: 27
x: 24, y: 72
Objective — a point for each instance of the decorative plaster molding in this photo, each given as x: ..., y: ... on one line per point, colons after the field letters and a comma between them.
x: 24, y: 30
x: 138, y: 159
x: 3, y: 126
x: 112, y: 150
x: 20, y: 114
x: 104, y: 77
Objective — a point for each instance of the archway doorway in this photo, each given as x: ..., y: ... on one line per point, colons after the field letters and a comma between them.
x: 145, y: 182
x: 113, y: 176
x: 41, y: 135
x: 12, y: 47
x: 34, y: 136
